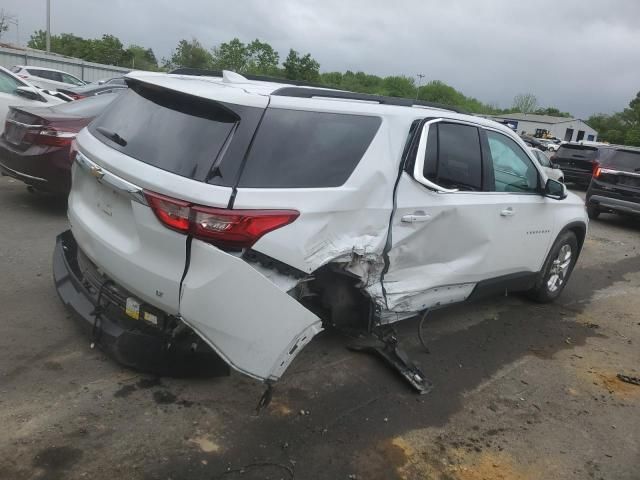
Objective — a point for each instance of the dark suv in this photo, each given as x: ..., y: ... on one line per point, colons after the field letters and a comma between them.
x: 615, y: 186
x: 578, y: 161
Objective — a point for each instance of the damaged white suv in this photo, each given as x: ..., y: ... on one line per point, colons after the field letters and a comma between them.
x: 252, y: 214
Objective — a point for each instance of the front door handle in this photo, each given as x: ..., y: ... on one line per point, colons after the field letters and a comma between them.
x: 416, y: 217
x: 508, y: 212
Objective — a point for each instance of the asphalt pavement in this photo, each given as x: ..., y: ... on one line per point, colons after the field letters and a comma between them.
x: 521, y: 390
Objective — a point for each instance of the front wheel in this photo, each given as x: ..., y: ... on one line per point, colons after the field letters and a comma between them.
x: 557, y: 269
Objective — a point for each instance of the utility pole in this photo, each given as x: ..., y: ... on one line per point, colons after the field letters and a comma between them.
x: 48, y: 26
x: 420, y: 77
x: 14, y: 21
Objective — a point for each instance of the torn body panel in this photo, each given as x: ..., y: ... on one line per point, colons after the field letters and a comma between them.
x: 249, y: 321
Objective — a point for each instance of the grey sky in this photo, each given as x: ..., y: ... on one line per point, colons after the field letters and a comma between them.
x: 576, y: 55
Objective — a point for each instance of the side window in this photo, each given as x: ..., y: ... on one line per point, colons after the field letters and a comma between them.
x: 38, y: 73
x: 512, y: 168
x: 543, y: 159
x: 8, y: 84
x: 66, y: 78
x: 56, y: 76
x: 453, y: 157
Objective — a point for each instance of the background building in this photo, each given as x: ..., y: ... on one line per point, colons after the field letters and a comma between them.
x: 564, y: 128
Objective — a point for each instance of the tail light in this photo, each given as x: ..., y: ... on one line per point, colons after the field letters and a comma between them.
x: 55, y: 134
x: 76, y: 96
x: 219, y: 226
x: 596, y: 171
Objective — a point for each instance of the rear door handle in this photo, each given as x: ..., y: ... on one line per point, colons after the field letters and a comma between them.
x: 416, y: 217
x: 508, y: 212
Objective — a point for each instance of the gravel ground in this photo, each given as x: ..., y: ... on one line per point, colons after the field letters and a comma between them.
x: 522, y: 391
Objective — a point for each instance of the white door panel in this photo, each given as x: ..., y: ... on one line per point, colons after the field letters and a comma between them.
x: 249, y: 321
x: 467, y: 237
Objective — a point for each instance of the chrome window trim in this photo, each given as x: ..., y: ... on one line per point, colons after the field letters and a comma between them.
x: 619, y: 172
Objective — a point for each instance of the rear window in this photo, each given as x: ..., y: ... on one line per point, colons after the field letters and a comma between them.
x: 581, y: 152
x: 86, y: 107
x: 298, y: 149
x: 627, y: 160
x: 177, y: 132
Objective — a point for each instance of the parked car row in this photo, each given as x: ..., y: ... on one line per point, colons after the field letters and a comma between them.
x: 40, y: 122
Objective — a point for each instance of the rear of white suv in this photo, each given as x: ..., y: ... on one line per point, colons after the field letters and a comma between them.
x: 255, y: 214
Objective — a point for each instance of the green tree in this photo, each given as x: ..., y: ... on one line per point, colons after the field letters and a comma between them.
x: 232, y: 55
x: 439, y: 92
x: 552, y: 111
x: 399, y: 86
x: 303, y: 68
x: 190, y: 54
x: 141, y: 58
x: 262, y: 59
x: 525, y: 103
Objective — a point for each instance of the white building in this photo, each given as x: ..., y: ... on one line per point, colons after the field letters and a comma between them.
x: 564, y: 128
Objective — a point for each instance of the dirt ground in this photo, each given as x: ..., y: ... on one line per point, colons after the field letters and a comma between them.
x: 522, y: 391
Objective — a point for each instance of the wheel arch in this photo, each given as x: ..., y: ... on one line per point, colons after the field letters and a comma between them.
x: 579, y: 229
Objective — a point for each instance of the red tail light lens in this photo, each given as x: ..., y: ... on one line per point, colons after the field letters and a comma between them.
x: 55, y: 134
x: 76, y: 96
x: 221, y: 227
x: 597, y: 172
x: 171, y: 212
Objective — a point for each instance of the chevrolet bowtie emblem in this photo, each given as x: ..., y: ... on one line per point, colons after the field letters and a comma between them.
x: 97, y: 172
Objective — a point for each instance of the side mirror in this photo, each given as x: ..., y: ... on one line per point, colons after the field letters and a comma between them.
x: 556, y: 190
x: 30, y: 93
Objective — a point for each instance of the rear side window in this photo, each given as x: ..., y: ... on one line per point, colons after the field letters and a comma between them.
x: 180, y: 133
x: 627, y: 160
x: 581, y: 152
x: 298, y: 149
x: 453, y: 157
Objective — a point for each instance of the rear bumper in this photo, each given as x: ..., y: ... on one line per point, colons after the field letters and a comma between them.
x: 615, y: 204
x: 576, y: 176
x: 43, y: 168
x: 132, y: 343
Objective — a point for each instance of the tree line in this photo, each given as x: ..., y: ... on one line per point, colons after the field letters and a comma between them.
x: 260, y: 58
x: 622, y: 128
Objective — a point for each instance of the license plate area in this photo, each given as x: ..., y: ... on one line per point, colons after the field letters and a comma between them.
x: 14, y: 133
x: 629, y: 181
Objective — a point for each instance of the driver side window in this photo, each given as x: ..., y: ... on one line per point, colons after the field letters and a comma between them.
x: 513, y: 170
x: 8, y: 84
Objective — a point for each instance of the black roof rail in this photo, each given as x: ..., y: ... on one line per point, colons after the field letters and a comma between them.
x: 318, y: 90
x: 366, y: 97
x: 202, y: 72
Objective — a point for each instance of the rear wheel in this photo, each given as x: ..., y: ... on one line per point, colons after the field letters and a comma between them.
x: 557, y: 269
x: 593, y: 211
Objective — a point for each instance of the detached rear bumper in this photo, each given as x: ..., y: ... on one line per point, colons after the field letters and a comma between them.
x: 132, y: 343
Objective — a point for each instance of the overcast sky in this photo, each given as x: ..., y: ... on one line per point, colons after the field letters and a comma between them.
x: 580, y: 56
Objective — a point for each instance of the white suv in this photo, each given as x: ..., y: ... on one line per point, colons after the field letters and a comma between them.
x: 47, y: 78
x: 255, y: 214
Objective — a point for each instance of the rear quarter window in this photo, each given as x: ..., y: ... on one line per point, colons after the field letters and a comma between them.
x: 302, y: 149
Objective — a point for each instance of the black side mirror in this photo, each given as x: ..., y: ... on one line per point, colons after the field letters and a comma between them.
x: 30, y: 93
x: 556, y: 190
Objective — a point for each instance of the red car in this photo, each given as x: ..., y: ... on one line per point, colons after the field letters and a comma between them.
x: 35, y: 144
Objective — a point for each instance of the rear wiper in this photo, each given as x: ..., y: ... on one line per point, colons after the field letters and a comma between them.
x: 112, y: 136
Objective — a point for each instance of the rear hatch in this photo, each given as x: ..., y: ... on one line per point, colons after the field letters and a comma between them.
x: 577, y: 159
x: 161, y: 140
x: 620, y: 175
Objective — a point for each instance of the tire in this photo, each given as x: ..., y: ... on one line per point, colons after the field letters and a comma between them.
x: 593, y: 212
x: 556, y: 270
